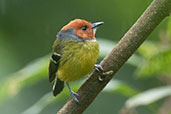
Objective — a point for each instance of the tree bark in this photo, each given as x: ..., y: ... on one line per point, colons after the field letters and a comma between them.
x: 149, y: 20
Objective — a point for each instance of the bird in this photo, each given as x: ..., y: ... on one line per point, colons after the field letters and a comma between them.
x: 75, y: 53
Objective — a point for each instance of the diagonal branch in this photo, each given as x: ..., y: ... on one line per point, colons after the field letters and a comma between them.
x: 149, y: 20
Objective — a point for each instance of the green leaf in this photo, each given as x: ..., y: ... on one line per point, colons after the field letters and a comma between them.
x: 116, y: 86
x: 169, y: 27
x: 33, y: 72
x: 48, y: 98
x: 149, y: 49
x: 158, y: 64
x: 40, y: 105
x: 148, y: 97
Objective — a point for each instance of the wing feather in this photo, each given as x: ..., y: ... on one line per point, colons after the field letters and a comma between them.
x: 53, y: 66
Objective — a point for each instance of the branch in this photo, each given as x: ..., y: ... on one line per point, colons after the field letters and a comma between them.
x: 165, y: 109
x: 154, y: 14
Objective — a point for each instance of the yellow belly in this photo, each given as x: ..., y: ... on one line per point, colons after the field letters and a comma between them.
x: 78, y: 58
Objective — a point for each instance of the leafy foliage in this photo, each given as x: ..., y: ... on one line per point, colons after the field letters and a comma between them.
x: 157, y: 64
x: 169, y: 27
x: 32, y: 73
x: 148, y: 97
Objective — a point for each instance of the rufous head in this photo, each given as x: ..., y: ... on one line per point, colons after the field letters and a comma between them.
x: 82, y: 28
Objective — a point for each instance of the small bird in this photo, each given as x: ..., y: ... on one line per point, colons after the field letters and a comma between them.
x: 75, y: 52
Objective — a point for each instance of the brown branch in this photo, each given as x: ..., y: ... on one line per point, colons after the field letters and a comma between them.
x: 154, y: 14
x: 165, y: 109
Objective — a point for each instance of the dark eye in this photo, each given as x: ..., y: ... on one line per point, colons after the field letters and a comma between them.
x: 84, y: 28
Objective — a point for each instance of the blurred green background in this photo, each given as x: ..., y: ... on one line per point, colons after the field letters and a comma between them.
x: 27, y: 32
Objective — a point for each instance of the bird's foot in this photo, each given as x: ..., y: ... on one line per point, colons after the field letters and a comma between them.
x: 73, y: 94
x: 101, y: 71
x: 99, y: 68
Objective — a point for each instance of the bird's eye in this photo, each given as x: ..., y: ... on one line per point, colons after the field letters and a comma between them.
x: 84, y: 28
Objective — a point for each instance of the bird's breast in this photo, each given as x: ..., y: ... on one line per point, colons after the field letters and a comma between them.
x: 78, y: 58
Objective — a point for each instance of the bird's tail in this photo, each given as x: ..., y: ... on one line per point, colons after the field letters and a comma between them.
x: 57, y: 86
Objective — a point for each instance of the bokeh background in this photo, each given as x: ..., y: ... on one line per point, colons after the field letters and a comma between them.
x: 27, y: 31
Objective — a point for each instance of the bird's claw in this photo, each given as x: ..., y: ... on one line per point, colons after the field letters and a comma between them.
x: 99, y: 68
x: 76, y: 94
x: 103, y: 74
x: 73, y: 94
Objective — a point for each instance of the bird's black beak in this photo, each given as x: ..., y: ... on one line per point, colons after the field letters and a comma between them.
x: 95, y: 25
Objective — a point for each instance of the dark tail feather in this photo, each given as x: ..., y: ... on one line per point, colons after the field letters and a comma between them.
x: 57, y: 86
